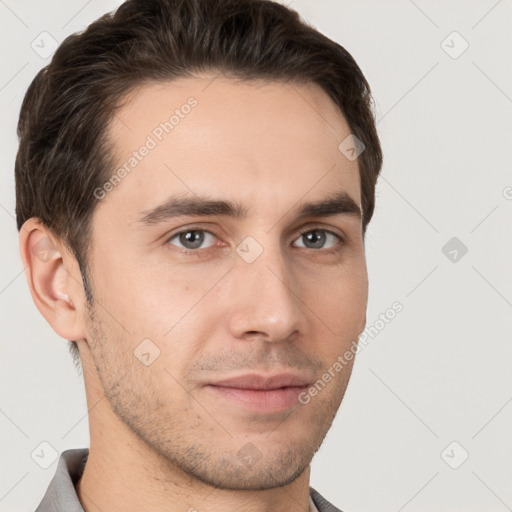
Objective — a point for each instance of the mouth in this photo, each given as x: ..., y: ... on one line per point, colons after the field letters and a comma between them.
x: 261, y: 393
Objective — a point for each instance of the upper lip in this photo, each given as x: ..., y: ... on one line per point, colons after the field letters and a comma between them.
x: 259, y: 381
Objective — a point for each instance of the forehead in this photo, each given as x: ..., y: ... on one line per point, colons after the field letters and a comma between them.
x: 258, y: 140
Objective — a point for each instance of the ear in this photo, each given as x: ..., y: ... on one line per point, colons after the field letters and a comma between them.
x: 51, y: 275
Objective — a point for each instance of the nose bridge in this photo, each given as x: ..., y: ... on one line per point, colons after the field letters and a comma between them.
x: 265, y: 298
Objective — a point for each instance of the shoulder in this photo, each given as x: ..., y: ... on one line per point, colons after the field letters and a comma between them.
x: 321, y: 503
x: 61, y: 495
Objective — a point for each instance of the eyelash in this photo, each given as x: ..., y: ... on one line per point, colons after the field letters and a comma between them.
x: 302, y: 232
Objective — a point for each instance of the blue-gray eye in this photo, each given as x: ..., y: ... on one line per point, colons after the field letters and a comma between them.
x: 317, y: 237
x: 192, y: 238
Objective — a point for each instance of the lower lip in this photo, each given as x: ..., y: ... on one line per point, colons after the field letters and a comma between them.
x: 270, y: 400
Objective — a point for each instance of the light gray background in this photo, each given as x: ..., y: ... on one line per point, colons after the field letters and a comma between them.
x: 440, y: 371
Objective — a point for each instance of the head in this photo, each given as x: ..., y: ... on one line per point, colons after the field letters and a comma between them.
x: 151, y: 110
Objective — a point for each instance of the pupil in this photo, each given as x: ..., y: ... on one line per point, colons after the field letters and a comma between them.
x: 315, y: 238
x: 193, y: 238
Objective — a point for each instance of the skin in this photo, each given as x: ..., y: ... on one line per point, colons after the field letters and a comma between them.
x: 159, y: 439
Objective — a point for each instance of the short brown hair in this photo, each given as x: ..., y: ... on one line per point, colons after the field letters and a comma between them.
x: 63, y: 153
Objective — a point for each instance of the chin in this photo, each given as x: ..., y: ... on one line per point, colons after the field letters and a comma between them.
x: 243, y: 469
x: 261, y: 476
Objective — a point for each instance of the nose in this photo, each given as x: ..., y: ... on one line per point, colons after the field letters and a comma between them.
x: 265, y: 302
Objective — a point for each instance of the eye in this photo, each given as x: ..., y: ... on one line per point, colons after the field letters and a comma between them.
x: 192, y: 238
x: 316, y: 238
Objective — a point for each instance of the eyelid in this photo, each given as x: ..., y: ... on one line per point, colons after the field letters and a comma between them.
x: 307, y: 229
x: 186, y: 229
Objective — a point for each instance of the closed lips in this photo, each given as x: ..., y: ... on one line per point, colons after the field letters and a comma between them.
x: 263, y: 382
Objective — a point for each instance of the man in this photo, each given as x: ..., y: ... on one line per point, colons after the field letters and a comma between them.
x: 193, y: 183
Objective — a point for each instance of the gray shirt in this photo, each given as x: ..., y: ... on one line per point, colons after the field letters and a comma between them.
x: 61, y: 493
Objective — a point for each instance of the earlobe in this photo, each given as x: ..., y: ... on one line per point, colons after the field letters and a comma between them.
x: 50, y: 282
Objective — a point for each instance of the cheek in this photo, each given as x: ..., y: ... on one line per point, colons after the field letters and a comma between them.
x: 145, y: 295
x: 340, y: 301
x: 172, y: 309
x: 166, y: 298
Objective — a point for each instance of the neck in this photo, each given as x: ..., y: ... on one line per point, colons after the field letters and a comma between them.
x: 123, y: 473
x: 132, y: 478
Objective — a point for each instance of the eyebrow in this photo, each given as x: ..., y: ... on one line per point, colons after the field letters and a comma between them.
x: 337, y: 203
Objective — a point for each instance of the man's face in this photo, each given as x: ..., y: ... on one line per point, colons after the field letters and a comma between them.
x: 231, y: 296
